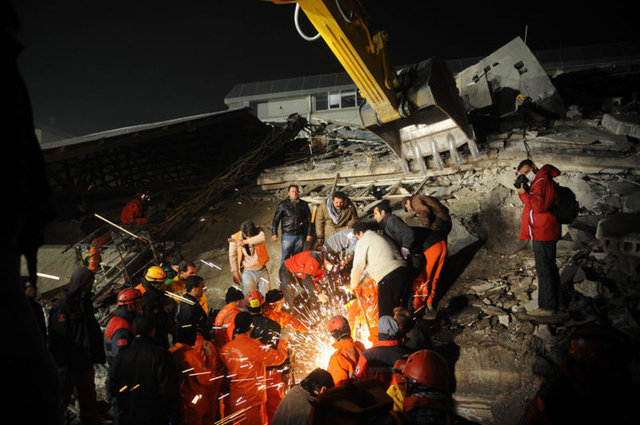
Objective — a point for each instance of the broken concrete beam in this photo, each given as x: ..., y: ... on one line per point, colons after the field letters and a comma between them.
x: 622, y: 124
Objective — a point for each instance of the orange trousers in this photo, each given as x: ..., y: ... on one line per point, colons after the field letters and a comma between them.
x: 275, y: 391
x: 94, y: 257
x: 424, y: 286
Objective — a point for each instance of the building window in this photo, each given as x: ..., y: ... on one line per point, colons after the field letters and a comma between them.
x: 348, y: 99
x: 321, y: 101
x: 334, y: 99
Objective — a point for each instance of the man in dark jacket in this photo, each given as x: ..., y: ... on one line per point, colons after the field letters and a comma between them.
x: 400, y: 233
x: 145, y: 380
x: 294, y: 216
x: 119, y: 333
x: 156, y: 304
x: 75, y: 341
x: 541, y: 227
x: 191, y: 319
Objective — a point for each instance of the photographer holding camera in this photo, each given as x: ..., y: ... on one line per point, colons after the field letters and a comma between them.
x: 539, y: 193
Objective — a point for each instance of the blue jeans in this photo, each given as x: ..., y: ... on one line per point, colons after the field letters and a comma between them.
x: 291, y: 245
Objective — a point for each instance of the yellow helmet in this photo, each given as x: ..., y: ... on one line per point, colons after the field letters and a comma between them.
x: 155, y: 274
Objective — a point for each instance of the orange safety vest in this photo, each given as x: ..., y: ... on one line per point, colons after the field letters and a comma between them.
x: 261, y: 250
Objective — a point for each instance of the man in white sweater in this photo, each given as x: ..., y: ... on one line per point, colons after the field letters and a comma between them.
x: 378, y: 256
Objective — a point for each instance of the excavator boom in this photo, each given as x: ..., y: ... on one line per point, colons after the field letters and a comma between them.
x: 417, y: 111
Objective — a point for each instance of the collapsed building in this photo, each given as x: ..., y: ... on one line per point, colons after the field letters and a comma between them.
x: 574, y: 109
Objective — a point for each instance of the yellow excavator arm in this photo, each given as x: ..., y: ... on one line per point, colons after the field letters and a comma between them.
x: 418, y: 111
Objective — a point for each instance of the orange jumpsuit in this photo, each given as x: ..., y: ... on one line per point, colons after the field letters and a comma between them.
x: 224, y: 325
x: 284, y: 319
x: 132, y: 213
x: 424, y: 286
x: 343, y: 361
x: 94, y: 257
x: 246, y: 360
x: 200, y: 381
x: 368, y: 294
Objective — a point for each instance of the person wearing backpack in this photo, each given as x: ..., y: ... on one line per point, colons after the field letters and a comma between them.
x: 540, y: 195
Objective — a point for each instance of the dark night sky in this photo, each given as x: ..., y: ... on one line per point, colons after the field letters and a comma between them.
x: 92, y: 66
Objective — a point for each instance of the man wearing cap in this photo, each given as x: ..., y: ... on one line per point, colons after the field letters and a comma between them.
x: 191, y: 319
x: 246, y: 360
x: 342, y: 363
x: 377, y: 361
x: 274, y: 302
x: 223, y: 323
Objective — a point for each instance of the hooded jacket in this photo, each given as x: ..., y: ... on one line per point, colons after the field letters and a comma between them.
x: 342, y: 363
x: 75, y: 337
x: 538, y: 223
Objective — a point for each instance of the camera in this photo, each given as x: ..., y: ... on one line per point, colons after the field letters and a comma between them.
x: 520, y: 180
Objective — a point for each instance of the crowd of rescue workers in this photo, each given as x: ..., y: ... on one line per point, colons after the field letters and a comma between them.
x: 173, y: 360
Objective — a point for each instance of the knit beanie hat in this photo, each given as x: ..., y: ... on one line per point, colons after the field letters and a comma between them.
x: 273, y: 295
x: 233, y: 294
x: 242, y: 322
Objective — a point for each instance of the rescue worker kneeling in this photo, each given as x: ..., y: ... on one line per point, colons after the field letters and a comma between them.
x: 246, y: 360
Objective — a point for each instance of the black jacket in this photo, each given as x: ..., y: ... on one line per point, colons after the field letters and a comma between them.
x: 190, y: 321
x: 145, y: 380
x: 399, y: 231
x: 154, y: 303
x: 75, y: 337
x: 294, y: 217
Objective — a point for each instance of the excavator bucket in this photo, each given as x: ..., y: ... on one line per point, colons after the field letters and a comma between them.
x: 433, y: 121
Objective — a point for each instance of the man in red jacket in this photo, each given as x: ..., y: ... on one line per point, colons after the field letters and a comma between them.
x: 539, y: 225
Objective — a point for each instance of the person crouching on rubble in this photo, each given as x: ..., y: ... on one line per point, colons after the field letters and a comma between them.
x: 307, y: 270
x: 538, y: 192
x: 248, y: 258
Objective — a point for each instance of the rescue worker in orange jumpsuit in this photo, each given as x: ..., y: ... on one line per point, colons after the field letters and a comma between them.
x: 223, y: 329
x: 246, y: 360
x: 434, y: 245
x: 274, y: 302
x: 200, y: 380
x: 133, y: 210
x: 366, y: 297
x: 343, y: 361
x: 93, y: 257
x: 306, y: 269
x: 223, y: 324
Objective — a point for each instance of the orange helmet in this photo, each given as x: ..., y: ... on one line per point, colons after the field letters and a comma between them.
x: 339, y: 327
x: 254, y: 300
x: 426, y: 367
x: 128, y: 296
x: 155, y: 274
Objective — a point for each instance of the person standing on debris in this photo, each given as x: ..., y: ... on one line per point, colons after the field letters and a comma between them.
x: 223, y: 323
x: 295, y: 408
x: 377, y: 361
x: 178, y: 284
x: 539, y: 194
x: 75, y: 341
x: 338, y: 212
x: 31, y: 292
x: 191, y: 319
x: 119, y: 332
x: 343, y: 362
x: 382, y: 261
x: 246, y: 360
x: 144, y: 379
x: 306, y: 269
x: 133, y: 211
x: 294, y: 216
x: 202, y: 373
x: 248, y: 258
x: 268, y: 332
x: 434, y: 252
x: 431, y: 211
x: 399, y: 232
x: 156, y: 304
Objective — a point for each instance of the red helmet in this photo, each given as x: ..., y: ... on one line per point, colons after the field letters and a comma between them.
x: 128, y: 296
x: 254, y: 299
x: 429, y: 368
x: 338, y: 323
